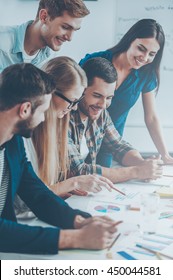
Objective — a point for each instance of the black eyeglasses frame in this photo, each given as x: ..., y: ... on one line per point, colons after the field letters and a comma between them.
x: 71, y: 103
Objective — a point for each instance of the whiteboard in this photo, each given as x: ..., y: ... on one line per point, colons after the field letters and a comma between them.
x: 128, y: 12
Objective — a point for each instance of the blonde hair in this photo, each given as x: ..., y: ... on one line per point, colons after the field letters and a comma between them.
x: 50, y: 138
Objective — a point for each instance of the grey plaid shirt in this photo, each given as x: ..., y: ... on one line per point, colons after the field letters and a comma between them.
x: 98, y: 132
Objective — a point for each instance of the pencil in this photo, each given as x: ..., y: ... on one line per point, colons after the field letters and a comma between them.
x: 109, y: 253
x: 168, y: 175
x: 158, y: 254
x: 166, y: 216
x: 133, y: 208
x: 115, y: 189
x: 116, y: 238
x: 166, y: 164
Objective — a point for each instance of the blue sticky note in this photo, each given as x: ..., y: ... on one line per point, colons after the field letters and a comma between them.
x: 126, y: 255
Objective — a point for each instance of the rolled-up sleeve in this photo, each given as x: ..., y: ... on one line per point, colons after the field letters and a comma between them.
x: 113, y: 142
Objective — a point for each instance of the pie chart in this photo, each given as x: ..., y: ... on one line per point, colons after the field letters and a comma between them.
x: 107, y: 209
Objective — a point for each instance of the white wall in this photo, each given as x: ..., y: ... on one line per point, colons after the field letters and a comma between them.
x: 98, y: 32
x: 17, y: 11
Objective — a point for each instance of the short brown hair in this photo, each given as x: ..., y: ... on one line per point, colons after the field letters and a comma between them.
x: 99, y: 67
x: 24, y: 82
x: 55, y: 8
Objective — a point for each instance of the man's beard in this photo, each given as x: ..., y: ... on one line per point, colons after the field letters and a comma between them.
x: 25, y: 129
x: 85, y: 109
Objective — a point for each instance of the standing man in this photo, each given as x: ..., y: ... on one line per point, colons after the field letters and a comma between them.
x: 36, y: 41
x: 25, y: 94
x: 91, y: 127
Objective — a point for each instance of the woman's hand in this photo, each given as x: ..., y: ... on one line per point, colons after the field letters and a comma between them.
x: 81, y: 185
x: 92, y: 183
x: 167, y: 159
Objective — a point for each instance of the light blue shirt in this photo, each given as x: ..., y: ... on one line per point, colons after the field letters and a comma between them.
x: 12, y: 47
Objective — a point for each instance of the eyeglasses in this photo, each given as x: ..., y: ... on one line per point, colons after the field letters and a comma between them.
x: 72, y: 103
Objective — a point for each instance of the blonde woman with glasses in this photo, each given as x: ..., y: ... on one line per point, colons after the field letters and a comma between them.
x: 50, y: 137
x: 48, y: 150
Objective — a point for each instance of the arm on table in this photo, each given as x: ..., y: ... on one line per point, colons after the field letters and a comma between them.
x: 91, y: 233
x: 153, y: 126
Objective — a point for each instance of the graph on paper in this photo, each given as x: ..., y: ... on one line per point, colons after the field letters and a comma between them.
x: 130, y: 195
x: 116, y: 197
x: 107, y: 208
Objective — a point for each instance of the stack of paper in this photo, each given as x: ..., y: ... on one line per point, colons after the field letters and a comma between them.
x: 165, y: 191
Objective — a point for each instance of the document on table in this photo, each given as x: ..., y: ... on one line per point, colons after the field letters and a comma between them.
x: 165, y: 192
x: 132, y: 244
x: 168, y: 250
x: 132, y: 194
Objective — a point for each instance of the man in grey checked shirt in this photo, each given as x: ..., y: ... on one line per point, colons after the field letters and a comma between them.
x: 91, y: 127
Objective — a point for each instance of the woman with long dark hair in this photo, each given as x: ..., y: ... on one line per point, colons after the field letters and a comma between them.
x: 137, y: 59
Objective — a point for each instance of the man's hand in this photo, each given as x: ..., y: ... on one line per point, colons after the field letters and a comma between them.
x: 79, y: 221
x: 97, y: 233
x: 150, y: 169
x: 92, y: 233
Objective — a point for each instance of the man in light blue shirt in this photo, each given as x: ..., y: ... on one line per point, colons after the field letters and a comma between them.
x: 36, y: 41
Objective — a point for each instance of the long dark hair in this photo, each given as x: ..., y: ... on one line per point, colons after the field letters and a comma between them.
x: 144, y: 28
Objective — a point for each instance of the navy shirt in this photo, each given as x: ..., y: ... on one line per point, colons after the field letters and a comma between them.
x: 48, y: 207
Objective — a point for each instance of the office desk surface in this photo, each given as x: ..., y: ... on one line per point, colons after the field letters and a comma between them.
x: 117, y: 207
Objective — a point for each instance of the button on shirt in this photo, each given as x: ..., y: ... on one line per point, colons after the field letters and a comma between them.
x: 98, y: 132
x: 12, y: 47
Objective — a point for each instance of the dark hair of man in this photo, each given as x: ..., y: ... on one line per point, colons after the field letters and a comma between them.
x: 101, y: 68
x: 24, y: 82
x: 144, y: 28
x: 56, y: 8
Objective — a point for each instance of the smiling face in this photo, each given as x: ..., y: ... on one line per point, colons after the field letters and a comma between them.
x: 142, y: 52
x: 61, y: 106
x: 98, y: 97
x: 54, y: 33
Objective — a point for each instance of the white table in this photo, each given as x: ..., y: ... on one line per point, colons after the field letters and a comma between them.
x: 129, y: 229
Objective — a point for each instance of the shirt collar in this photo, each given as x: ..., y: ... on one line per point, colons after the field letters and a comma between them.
x: 2, y: 147
x: 77, y: 119
x: 135, y: 72
x: 20, y: 36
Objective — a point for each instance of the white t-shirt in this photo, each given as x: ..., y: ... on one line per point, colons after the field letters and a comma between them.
x: 31, y: 153
x: 84, y: 148
x: 28, y: 58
